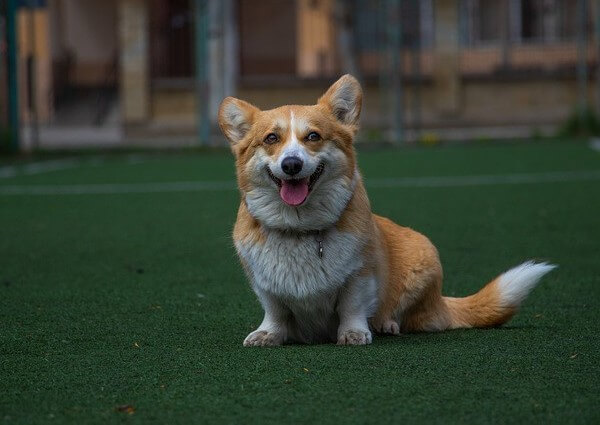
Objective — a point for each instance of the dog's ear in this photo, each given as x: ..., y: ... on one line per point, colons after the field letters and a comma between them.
x: 236, y: 118
x: 344, y: 99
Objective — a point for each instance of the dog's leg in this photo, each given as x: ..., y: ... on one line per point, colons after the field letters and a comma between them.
x: 273, y: 329
x: 357, y: 301
x: 408, y: 292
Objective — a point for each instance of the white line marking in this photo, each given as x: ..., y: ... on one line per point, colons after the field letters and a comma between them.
x: 41, y: 167
x: 38, y: 167
x: 117, y: 188
x: 8, y: 172
x: 484, y: 180
x: 224, y: 185
x: 47, y: 166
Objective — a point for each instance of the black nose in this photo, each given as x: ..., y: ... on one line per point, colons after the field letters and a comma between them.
x: 291, y: 165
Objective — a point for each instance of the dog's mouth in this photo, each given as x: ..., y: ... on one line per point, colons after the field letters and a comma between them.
x: 295, y: 191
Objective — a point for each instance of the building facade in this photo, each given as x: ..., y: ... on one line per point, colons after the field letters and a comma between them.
x: 133, y: 65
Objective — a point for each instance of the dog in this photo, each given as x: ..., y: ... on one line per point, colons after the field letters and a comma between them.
x: 323, y: 266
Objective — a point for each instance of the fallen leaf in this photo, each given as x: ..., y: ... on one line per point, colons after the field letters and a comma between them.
x: 136, y: 345
x: 573, y: 356
x: 126, y: 408
x: 305, y: 370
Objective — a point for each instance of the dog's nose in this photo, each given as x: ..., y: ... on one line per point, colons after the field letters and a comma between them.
x: 291, y: 165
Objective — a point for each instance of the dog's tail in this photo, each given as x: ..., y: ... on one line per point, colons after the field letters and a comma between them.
x: 498, y: 301
x: 495, y: 304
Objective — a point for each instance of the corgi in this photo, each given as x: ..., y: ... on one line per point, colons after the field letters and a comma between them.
x: 323, y: 266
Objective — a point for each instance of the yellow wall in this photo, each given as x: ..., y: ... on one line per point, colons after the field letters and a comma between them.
x: 315, y: 50
x: 41, y: 49
x: 485, y: 103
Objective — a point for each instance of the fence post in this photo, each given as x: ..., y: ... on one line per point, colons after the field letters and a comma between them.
x: 582, y: 71
x: 597, y: 56
x: 394, y: 32
x: 506, y: 34
x: 230, y: 43
x: 417, y: 75
x: 13, y: 90
x: 32, y: 75
x: 201, y: 67
x: 383, y: 77
x: 446, y: 73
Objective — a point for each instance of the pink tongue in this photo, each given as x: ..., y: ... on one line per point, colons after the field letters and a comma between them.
x: 294, y: 192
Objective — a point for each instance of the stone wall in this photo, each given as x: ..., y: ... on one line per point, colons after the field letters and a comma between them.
x: 483, y: 103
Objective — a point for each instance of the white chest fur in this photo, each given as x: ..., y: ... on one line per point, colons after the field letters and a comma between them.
x: 288, y: 265
x: 288, y: 268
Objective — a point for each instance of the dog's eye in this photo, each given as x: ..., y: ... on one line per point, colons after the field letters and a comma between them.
x: 271, y: 138
x: 313, y: 137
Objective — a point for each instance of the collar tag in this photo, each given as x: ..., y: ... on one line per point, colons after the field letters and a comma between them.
x: 319, y: 239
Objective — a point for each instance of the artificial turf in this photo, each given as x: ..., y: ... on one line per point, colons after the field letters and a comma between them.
x: 138, y: 300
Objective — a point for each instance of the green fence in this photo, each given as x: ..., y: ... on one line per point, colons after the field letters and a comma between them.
x: 9, y: 108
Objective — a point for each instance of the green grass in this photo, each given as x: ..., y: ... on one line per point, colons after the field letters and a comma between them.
x: 108, y: 300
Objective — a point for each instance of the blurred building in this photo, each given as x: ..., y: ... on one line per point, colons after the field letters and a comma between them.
x: 127, y: 71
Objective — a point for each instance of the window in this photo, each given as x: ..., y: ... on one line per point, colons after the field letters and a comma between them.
x: 529, y: 21
x: 483, y: 21
x: 370, y: 26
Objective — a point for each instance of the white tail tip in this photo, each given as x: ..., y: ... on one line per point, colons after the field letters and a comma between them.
x: 515, y: 284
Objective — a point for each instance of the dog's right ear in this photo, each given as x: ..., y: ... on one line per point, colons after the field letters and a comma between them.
x: 344, y: 99
x: 236, y: 118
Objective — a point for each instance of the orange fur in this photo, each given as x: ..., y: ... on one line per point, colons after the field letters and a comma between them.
x: 247, y: 229
x: 405, y: 263
x: 414, y: 286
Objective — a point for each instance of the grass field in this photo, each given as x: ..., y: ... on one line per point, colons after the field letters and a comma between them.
x: 119, y: 286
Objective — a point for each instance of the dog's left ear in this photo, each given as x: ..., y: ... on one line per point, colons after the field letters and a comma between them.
x: 236, y: 118
x: 344, y: 99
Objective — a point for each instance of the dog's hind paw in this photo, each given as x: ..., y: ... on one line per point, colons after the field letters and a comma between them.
x: 386, y: 327
x: 260, y: 338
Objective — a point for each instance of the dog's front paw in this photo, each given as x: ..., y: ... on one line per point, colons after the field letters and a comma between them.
x: 354, y: 337
x: 260, y: 338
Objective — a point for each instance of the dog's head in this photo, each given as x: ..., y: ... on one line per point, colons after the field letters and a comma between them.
x: 296, y: 165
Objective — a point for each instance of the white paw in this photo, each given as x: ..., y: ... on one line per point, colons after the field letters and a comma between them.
x: 354, y: 337
x: 260, y: 338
